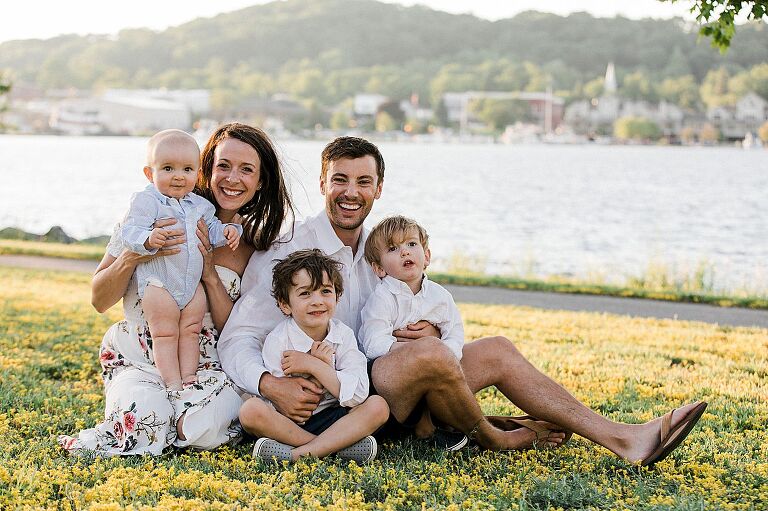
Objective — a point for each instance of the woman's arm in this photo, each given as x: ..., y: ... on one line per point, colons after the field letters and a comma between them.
x: 113, y: 274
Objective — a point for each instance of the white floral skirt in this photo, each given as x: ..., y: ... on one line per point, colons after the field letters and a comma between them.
x: 140, y: 415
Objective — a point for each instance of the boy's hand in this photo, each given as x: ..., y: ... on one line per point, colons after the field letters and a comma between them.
x: 233, y: 237
x: 323, y: 351
x: 297, y: 362
x: 417, y: 331
x: 157, y: 239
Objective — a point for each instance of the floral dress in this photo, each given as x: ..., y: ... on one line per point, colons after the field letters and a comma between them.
x: 141, y: 414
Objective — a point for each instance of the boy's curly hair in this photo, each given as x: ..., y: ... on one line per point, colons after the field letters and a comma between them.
x: 317, y: 265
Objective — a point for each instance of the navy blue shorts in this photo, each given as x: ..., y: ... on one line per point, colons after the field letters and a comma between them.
x: 323, y: 420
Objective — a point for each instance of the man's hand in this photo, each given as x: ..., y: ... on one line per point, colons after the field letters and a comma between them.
x: 323, y: 351
x: 233, y: 237
x: 416, y: 331
x: 296, y: 398
x: 297, y: 362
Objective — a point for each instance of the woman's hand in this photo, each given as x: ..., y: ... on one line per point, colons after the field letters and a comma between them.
x: 206, y: 249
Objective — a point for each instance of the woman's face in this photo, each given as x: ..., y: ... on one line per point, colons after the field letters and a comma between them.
x: 236, y: 175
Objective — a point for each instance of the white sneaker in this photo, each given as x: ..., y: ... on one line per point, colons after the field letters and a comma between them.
x: 362, y: 451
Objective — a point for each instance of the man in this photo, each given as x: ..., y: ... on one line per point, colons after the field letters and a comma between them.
x: 423, y: 368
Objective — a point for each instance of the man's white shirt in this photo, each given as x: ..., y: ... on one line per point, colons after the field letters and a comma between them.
x: 393, y: 306
x: 255, y: 314
x: 348, y: 362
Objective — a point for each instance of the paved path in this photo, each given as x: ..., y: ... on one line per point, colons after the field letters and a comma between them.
x: 731, y: 316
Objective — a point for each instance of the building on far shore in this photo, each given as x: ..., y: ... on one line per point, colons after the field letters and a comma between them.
x: 746, y: 116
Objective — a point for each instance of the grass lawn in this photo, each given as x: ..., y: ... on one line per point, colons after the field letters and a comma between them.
x: 628, y: 369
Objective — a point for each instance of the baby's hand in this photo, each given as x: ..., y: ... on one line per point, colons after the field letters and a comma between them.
x: 323, y: 351
x: 233, y: 237
x: 157, y: 239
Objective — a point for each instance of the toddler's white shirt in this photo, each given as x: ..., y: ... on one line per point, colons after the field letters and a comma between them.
x: 393, y: 306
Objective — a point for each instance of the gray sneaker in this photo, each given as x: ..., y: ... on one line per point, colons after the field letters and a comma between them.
x: 268, y: 450
x: 362, y: 451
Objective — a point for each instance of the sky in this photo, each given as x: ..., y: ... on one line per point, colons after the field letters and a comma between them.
x: 38, y: 19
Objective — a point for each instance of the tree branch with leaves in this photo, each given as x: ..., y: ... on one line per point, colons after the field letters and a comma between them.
x: 718, y: 17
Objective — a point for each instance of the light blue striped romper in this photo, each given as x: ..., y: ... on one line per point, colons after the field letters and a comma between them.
x: 179, y: 273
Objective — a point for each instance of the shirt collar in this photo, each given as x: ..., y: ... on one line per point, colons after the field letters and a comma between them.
x: 302, y: 342
x: 163, y: 198
x: 328, y: 241
x: 399, y: 287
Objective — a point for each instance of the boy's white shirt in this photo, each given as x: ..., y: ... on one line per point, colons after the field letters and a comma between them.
x: 393, y: 306
x: 350, y: 364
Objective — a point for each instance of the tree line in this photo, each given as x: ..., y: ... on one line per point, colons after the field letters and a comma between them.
x: 313, y: 52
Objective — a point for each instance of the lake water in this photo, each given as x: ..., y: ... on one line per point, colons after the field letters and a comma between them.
x: 539, y: 210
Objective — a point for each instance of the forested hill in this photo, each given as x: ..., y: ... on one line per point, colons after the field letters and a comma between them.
x: 326, y: 49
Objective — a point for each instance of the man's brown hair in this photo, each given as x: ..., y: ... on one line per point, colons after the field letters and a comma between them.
x: 384, y: 234
x: 317, y: 265
x: 350, y: 148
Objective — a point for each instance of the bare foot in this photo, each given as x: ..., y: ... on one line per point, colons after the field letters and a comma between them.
x: 645, y: 438
x: 549, y: 436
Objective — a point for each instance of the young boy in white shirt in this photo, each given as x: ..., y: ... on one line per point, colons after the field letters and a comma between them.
x: 311, y: 343
x: 173, y: 300
x: 398, y: 250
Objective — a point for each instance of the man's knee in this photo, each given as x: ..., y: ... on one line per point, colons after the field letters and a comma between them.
x: 433, y: 358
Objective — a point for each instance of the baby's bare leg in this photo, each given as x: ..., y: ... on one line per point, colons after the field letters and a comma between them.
x: 162, y: 315
x: 190, y: 323
x: 360, y: 422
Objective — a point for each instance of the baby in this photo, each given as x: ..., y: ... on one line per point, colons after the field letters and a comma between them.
x: 173, y: 300
x: 312, y: 344
x: 397, y: 249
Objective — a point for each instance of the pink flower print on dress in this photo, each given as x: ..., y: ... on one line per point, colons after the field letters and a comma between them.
x: 118, y: 429
x: 107, y: 356
x: 129, y: 419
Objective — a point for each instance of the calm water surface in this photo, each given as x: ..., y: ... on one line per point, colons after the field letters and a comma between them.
x: 543, y: 210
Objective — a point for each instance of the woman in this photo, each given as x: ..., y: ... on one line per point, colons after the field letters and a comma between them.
x: 241, y: 176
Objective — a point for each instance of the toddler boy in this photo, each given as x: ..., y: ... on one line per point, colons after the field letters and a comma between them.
x: 398, y: 250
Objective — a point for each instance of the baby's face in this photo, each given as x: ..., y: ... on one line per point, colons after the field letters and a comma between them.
x: 174, y: 167
x: 404, y: 257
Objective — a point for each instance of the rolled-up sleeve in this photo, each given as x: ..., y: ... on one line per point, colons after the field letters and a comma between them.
x: 352, y: 372
x: 377, y: 318
x: 138, y: 223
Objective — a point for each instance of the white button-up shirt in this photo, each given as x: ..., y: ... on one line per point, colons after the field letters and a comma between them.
x: 349, y: 363
x: 393, y: 306
x: 179, y: 273
x: 255, y: 314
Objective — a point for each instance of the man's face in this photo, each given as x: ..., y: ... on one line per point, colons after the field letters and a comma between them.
x: 350, y: 187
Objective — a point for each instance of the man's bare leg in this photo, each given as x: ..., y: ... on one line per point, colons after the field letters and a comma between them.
x: 496, y: 361
x: 427, y: 368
